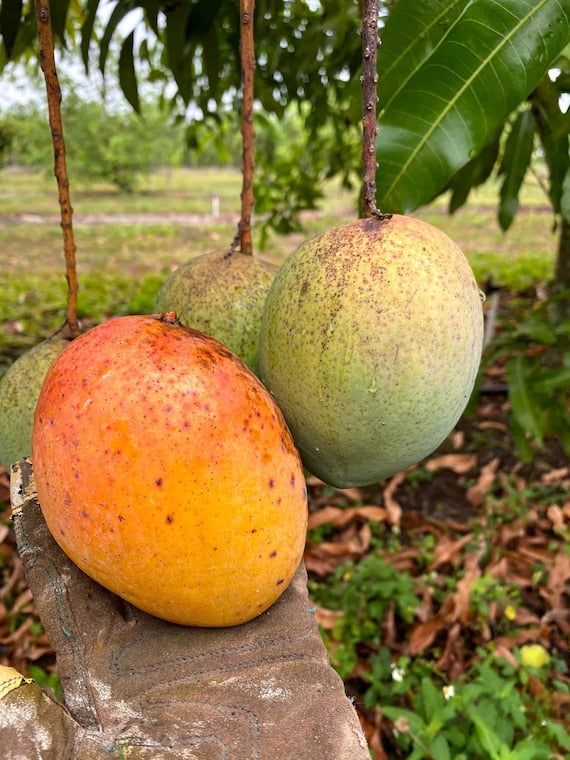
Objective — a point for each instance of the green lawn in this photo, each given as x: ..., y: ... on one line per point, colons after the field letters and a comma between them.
x: 122, y: 258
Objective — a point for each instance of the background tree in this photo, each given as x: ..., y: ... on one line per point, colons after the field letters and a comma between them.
x: 452, y: 75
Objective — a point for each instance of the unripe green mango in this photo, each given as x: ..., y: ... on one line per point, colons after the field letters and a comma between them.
x: 223, y: 296
x: 370, y: 342
x: 19, y: 391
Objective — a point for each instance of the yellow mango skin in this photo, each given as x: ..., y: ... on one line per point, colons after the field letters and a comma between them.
x: 166, y: 472
x: 370, y: 343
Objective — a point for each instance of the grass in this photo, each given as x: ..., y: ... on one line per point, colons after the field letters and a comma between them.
x: 123, y: 261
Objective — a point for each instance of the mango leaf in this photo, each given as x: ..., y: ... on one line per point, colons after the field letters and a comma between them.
x: 10, y: 15
x: 491, y: 57
x: 411, y: 34
x: 58, y: 12
x: 553, y: 126
x: 176, y: 47
x: 565, y: 197
x: 118, y: 14
x: 212, y: 59
x: 87, y: 30
x: 127, y: 75
x: 475, y: 172
x: 516, y: 158
x: 151, y: 11
x: 526, y: 409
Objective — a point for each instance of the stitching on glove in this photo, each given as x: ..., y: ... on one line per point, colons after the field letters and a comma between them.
x: 249, y: 749
x: 226, y: 653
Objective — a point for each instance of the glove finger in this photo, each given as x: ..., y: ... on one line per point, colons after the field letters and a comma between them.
x: 77, y: 613
x: 32, y: 723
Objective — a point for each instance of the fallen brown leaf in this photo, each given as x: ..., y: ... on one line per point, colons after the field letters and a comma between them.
x: 339, y: 518
x: 477, y: 493
x: 327, y: 618
x: 392, y: 506
x: 459, y: 463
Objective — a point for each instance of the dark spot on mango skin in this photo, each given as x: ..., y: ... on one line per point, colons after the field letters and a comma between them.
x: 271, y: 483
x: 158, y: 482
x: 169, y: 519
x: 279, y: 582
x: 273, y: 554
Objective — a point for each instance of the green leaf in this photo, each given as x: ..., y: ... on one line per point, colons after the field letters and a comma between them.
x: 151, y: 11
x: 412, y: 32
x: 474, y: 173
x: 553, y: 127
x: 553, y: 379
x: 212, y: 59
x: 176, y: 48
x: 10, y: 15
x: 439, y: 748
x: 489, y: 60
x: 87, y: 30
x: 536, y: 327
x: 58, y: 13
x: 525, y: 408
x: 432, y: 699
x: 127, y: 74
x: 488, y: 738
x: 560, y: 734
x: 118, y: 14
x: 565, y: 197
x: 415, y: 723
x: 516, y: 159
x: 531, y: 749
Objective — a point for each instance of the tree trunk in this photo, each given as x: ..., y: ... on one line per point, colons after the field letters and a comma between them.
x: 562, y: 272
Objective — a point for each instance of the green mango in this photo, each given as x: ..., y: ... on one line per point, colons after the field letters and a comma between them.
x: 19, y: 392
x: 370, y: 342
x: 223, y: 296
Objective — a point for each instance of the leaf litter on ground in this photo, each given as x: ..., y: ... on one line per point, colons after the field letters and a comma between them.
x: 483, y: 537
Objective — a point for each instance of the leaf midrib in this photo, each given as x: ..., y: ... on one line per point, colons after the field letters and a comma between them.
x: 451, y: 104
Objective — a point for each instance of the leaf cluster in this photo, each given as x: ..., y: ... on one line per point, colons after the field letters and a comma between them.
x: 430, y: 626
x: 534, y: 346
x: 463, y: 85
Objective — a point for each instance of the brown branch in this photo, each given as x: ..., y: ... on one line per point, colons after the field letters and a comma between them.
x: 47, y: 62
x: 247, y: 55
x: 369, y: 80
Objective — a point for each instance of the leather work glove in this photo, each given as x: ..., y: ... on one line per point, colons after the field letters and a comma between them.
x: 139, y: 688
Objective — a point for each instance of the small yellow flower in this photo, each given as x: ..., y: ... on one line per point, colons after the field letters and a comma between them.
x: 510, y: 612
x: 534, y: 656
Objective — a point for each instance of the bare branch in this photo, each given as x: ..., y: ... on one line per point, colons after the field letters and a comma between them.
x: 369, y: 80
x: 47, y: 62
x: 247, y: 53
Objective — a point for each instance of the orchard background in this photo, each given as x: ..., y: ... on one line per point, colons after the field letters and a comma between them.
x: 443, y: 592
